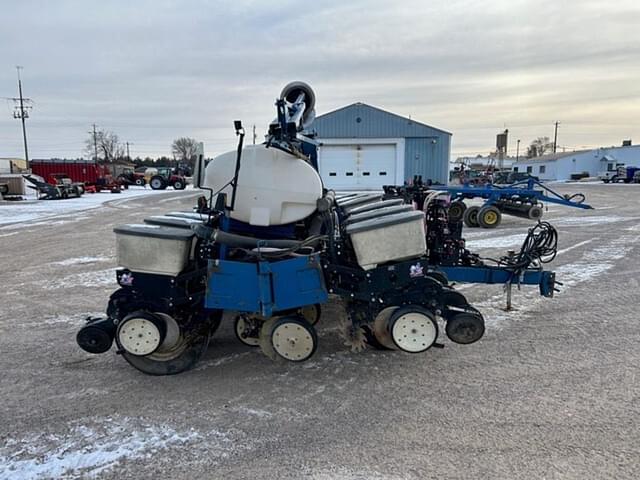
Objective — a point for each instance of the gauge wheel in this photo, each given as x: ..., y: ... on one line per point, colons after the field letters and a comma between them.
x: 141, y: 333
x: 456, y: 211
x: 179, y: 351
x: 489, y: 217
x: 413, y: 329
x: 294, y: 339
x: 470, y: 216
x: 247, y: 330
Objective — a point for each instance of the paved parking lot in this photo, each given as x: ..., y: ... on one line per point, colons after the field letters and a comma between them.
x: 550, y: 392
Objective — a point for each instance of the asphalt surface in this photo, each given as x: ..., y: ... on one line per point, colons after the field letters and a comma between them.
x: 549, y: 392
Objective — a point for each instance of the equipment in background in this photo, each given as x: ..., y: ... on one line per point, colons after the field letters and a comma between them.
x: 127, y: 175
x: 62, y: 189
x: 93, y: 176
x: 522, y: 199
x: 623, y: 173
x: 269, y: 246
x: 164, y: 177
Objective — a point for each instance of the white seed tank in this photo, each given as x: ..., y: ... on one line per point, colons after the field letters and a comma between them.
x: 274, y: 187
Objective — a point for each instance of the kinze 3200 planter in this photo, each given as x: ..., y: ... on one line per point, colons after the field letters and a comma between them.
x: 270, y: 244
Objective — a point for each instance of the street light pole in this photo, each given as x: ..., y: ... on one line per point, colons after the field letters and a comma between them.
x: 517, y: 150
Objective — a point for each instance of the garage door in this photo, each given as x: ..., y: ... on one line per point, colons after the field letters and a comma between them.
x: 357, y: 167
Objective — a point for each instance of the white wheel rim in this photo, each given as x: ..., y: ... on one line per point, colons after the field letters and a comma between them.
x: 292, y: 341
x: 156, y: 183
x: 139, y: 336
x: 414, y: 332
x: 240, y: 328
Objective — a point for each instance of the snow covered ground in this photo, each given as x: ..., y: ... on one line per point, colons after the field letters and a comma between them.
x: 12, y: 213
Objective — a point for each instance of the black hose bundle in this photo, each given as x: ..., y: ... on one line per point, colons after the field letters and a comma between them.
x: 540, y: 246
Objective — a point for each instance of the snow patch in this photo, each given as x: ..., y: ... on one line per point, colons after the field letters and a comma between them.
x: 49, y: 209
x: 220, y: 361
x: 498, y: 242
x: 344, y: 474
x: 99, y: 278
x: 80, y: 261
x: 594, y: 220
x: 592, y: 264
x: 577, y: 245
x: 255, y: 412
x: 575, y: 273
x: 84, y: 451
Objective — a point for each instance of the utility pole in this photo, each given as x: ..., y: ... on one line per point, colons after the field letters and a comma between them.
x: 128, y: 156
x: 95, y: 143
x: 254, y: 134
x: 555, y: 137
x: 22, y: 113
x: 517, y: 150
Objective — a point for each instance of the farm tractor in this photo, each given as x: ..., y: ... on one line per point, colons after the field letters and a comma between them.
x: 166, y: 177
x: 129, y: 176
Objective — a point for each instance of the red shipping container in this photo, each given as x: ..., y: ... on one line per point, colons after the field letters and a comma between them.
x: 76, y: 170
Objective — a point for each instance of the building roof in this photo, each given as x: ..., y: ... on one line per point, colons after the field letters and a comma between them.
x: 550, y: 157
x: 347, y: 122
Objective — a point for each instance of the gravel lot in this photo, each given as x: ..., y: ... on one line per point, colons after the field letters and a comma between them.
x: 549, y: 392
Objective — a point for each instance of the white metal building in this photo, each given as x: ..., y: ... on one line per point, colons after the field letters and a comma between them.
x: 560, y: 166
x: 363, y: 147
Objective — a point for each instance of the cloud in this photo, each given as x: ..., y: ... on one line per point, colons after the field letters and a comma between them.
x: 155, y: 70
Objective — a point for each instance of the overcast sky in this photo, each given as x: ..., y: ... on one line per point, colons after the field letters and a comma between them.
x: 152, y: 71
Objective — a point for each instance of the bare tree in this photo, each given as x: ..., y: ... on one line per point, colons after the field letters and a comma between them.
x: 108, y: 146
x: 539, y: 147
x: 184, y: 149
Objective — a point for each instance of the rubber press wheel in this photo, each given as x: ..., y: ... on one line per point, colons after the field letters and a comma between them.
x: 489, y: 217
x: 470, y: 217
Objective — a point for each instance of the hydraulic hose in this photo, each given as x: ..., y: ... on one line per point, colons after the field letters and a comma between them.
x: 240, y: 241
